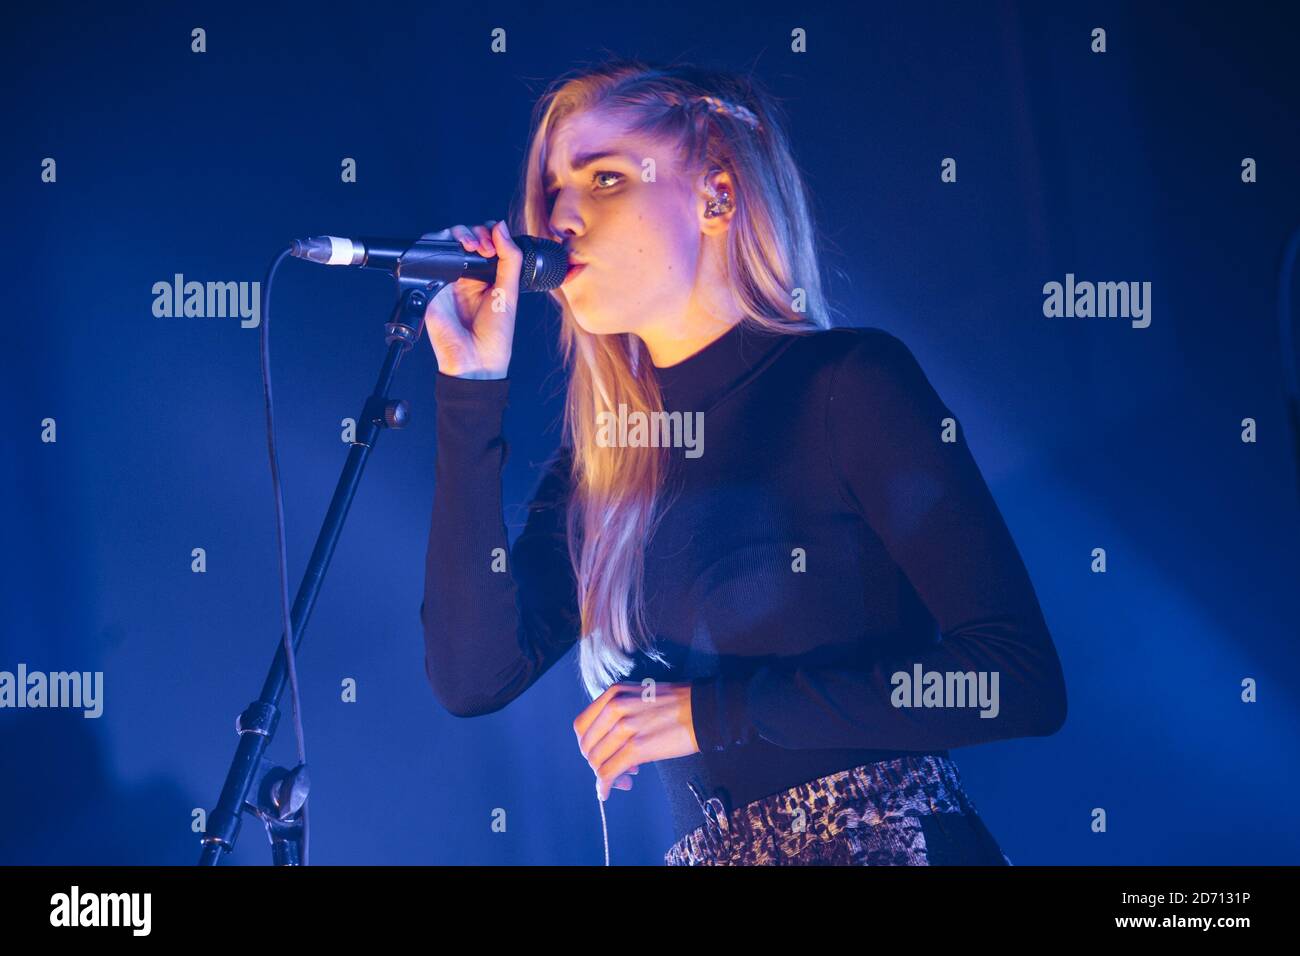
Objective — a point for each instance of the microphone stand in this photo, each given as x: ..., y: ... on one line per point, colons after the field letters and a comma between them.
x: 274, y: 794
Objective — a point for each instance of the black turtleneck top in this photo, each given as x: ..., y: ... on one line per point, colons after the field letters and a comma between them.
x: 834, y: 532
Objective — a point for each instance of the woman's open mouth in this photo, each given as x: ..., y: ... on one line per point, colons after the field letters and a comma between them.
x: 573, y: 271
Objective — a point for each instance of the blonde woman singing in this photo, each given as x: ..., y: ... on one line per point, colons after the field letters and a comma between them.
x: 791, y: 591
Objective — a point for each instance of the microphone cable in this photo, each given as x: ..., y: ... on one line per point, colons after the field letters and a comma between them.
x: 289, y: 657
x: 604, y: 828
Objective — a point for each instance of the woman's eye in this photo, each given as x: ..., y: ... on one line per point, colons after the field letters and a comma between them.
x: 595, y: 177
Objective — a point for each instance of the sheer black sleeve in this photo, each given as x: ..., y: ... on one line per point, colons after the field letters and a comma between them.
x: 495, y: 617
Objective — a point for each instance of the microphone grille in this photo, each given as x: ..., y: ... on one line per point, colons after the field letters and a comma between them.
x: 545, y: 264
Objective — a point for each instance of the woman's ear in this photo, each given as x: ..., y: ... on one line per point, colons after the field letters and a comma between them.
x: 717, y: 202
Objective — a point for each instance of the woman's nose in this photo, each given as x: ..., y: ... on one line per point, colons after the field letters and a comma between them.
x: 565, y: 221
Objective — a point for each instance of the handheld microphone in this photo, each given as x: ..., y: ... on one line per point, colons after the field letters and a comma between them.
x: 437, y: 260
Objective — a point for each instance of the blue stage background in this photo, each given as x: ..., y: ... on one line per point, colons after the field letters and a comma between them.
x: 1117, y: 166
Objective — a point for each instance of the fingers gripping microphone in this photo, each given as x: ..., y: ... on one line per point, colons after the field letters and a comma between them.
x: 440, y: 260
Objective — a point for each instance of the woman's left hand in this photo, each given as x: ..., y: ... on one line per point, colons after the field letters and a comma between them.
x: 629, y: 724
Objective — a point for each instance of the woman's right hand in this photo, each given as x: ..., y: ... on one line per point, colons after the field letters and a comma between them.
x: 471, y: 324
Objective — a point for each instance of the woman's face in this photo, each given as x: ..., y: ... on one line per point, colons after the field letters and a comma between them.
x: 641, y: 240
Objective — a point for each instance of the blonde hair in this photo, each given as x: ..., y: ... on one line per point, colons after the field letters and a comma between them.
x: 711, y: 120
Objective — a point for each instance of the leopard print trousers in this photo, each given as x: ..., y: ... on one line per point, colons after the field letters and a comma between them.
x: 911, y: 811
